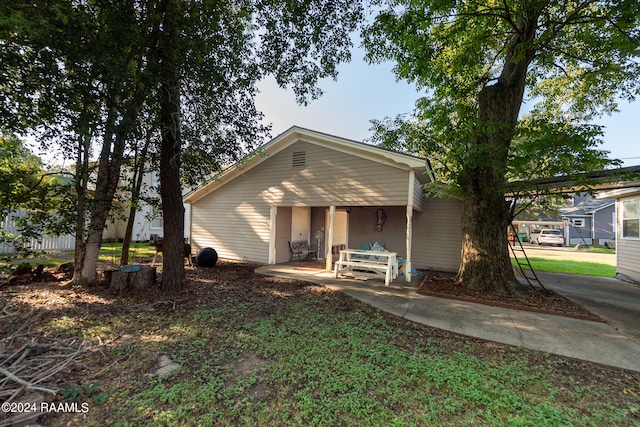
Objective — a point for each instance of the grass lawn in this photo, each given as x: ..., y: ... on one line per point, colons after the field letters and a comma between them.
x: 571, y: 267
x: 257, y: 351
x: 598, y: 249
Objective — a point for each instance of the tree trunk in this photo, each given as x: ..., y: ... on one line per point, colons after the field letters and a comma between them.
x: 486, y: 264
x: 173, y: 274
x: 139, y: 169
x: 81, y: 183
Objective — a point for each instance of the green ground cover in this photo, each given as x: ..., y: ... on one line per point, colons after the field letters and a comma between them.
x: 571, y: 267
x: 272, y: 352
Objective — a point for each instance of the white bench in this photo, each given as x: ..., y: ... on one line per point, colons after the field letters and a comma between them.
x: 345, y: 267
x: 386, y: 268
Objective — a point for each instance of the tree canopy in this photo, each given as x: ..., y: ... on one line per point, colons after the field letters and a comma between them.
x: 479, y: 63
x: 30, y: 197
x: 92, y: 75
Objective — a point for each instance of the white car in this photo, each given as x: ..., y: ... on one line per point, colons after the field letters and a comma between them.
x: 550, y: 237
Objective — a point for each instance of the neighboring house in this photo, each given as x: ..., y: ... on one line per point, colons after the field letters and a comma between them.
x: 628, y: 231
x: 590, y: 220
x: 305, y: 182
x: 148, y: 221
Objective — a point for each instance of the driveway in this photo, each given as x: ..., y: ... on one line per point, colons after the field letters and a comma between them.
x: 614, y: 300
x: 570, y: 253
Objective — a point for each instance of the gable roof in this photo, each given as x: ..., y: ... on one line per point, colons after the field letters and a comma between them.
x: 295, y: 134
x: 588, y: 207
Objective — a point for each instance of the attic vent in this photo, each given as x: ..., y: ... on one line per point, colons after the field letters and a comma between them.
x: 299, y: 159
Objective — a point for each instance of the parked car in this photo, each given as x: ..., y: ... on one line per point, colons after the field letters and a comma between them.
x: 549, y: 237
x: 611, y: 243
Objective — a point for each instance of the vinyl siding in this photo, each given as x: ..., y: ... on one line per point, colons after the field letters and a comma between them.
x: 604, y: 223
x: 228, y: 222
x: 627, y: 250
x: 234, y: 219
x: 437, y: 235
x: 393, y: 234
x: 329, y: 178
x: 418, y: 196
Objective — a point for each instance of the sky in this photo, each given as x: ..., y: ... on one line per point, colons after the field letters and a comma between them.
x: 364, y: 92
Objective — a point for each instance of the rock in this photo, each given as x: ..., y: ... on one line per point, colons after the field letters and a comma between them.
x: 167, y: 366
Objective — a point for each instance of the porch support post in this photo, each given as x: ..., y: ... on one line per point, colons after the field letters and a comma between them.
x: 409, y: 239
x: 329, y: 257
x: 407, y: 265
x: 272, y: 234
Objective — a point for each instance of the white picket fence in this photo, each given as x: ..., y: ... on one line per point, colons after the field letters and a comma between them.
x: 48, y: 243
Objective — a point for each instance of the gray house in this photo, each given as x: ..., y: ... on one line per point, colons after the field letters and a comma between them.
x: 590, y: 220
x: 307, y: 185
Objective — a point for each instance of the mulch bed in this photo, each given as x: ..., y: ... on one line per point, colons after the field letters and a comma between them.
x: 444, y: 285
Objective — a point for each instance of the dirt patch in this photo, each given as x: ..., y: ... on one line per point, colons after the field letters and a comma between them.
x: 444, y: 285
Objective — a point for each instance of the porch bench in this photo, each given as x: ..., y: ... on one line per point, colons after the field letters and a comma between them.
x: 369, y: 265
x: 301, y: 248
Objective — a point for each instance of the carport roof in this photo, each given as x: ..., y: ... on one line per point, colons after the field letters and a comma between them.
x: 607, y: 179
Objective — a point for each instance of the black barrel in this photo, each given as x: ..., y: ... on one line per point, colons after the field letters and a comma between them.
x: 206, y: 257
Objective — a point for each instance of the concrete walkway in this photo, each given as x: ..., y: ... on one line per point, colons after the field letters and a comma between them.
x: 580, y: 339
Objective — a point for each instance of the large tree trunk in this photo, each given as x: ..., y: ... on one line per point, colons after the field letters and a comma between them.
x: 173, y: 274
x: 110, y: 161
x: 81, y: 184
x: 485, y: 254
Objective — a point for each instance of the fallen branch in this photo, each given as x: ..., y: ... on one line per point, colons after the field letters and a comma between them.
x: 24, y: 383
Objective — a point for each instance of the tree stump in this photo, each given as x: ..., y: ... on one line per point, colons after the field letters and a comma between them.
x: 135, y: 280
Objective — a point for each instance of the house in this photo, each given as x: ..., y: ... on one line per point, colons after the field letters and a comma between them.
x: 307, y: 185
x: 627, y: 231
x: 589, y: 220
x: 148, y: 220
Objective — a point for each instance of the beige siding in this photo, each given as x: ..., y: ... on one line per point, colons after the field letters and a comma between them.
x: 234, y: 219
x: 437, y: 235
x: 328, y: 178
x: 229, y: 222
x: 629, y: 258
x: 393, y: 234
x: 627, y: 249
x: 418, y: 196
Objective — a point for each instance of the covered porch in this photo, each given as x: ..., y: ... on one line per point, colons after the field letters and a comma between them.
x: 332, y: 228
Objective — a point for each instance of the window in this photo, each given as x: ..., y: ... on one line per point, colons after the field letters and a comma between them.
x: 631, y: 218
x: 578, y: 222
x: 156, y: 222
